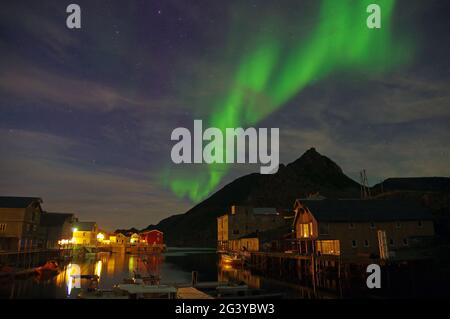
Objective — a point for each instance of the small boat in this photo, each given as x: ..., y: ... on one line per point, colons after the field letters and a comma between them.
x: 50, y: 268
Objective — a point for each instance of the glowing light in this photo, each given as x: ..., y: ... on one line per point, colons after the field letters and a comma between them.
x: 100, y: 237
x: 98, y: 268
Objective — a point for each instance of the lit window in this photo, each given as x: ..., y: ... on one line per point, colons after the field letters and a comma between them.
x: 2, y: 227
x: 354, y: 243
x: 306, y: 230
x: 328, y: 247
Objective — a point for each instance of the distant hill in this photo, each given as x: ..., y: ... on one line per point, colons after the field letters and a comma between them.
x: 414, y: 184
x: 310, y: 173
x: 431, y: 191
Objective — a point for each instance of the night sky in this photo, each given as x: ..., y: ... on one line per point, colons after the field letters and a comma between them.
x: 86, y: 115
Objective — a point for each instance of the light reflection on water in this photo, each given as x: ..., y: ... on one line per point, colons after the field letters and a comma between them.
x: 175, y: 266
x: 171, y: 267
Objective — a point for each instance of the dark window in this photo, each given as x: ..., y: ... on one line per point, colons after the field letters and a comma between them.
x: 391, y: 242
x: 324, y: 228
x: 351, y: 226
x: 354, y: 243
x: 372, y: 225
x: 366, y: 243
x: 398, y: 225
x: 419, y: 223
x: 235, y: 231
x: 405, y: 241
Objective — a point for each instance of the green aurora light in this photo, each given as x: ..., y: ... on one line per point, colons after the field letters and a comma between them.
x: 270, y: 75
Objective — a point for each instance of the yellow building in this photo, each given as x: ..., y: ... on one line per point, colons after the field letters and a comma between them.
x: 361, y: 228
x: 118, y: 239
x: 134, y: 239
x: 85, y: 234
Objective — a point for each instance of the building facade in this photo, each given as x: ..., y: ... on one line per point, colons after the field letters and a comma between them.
x: 19, y: 223
x: 56, y: 227
x: 85, y: 234
x: 152, y: 237
x: 361, y: 228
x: 234, y: 228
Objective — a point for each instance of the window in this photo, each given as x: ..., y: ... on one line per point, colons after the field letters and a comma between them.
x: 235, y: 231
x: 306, y: 230
x: 372, y: 225
x: 405, y: 242
x: 354, y: 243
x: 2, y: 227
x: 324, y: 228
x: 398, y: 225
x: 366, y: 243
x: 420, y: 224
x: 391, y: 242
x: 351, y: 226
x: 328, y: 247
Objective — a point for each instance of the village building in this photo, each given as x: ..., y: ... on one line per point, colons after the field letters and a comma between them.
x: 85, y: 234
x: 239, y: 229
x: 361, y: 228
x: 134, y: 239
x: 56, y: 229
x: 19, y: 223
x: 118, y: 239
x: 152, y: 237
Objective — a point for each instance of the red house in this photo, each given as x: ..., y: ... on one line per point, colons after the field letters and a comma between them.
x: 153, y: 237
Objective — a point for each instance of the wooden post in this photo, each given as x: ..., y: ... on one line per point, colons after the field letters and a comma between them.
x: 194, y: 278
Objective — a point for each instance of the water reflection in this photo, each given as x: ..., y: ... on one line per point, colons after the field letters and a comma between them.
x: 113, y: 269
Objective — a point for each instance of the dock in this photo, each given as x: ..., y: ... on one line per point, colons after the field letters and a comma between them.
x: 192, y: 293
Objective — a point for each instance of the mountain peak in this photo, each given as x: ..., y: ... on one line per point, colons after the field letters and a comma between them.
x: 313, y: 162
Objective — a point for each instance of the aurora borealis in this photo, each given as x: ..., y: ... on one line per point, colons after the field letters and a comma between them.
x: 87, y: 115
x: 272, y: 72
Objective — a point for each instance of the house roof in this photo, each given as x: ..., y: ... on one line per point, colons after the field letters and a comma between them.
x: 366, y: 210
x: 17, y: 202
x: 265, y: 211
x: 85, y: 226
x: 54, y: 219
x: 151, y: 231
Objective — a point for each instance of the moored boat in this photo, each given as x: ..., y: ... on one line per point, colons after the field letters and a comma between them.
x: 50, y: 268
